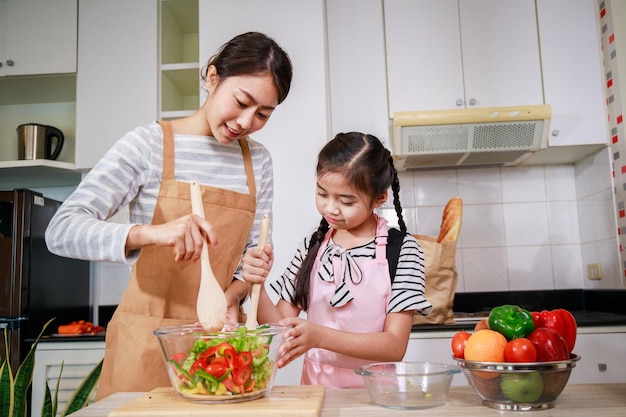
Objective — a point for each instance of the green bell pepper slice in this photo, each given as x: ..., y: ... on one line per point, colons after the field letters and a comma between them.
x: 512, y: 321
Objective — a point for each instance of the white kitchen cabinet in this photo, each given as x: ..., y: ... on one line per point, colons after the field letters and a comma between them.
x: 572, y: 71
x: 117, y: 85
x: 461, y: 53
x: 601, y: 350
x: 357, y: 71
x: 433, y: 346
x: 37, y: 37
x: 78, y: 358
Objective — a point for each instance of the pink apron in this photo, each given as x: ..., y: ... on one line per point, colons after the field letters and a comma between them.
x: 366, y: 313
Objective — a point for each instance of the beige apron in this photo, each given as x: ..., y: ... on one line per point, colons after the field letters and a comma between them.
x: 162, y: 292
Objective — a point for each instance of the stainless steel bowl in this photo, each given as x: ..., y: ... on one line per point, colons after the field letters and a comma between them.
x: 408, y: 385
x: 518, y: 386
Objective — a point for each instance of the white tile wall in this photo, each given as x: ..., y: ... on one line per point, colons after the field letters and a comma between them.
x: 524, y: 228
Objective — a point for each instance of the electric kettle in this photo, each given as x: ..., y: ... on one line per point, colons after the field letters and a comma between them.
x: 37, y: 141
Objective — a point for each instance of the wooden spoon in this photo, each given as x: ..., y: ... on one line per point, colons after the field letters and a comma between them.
x: 211, y: 304
x: 256, y: 287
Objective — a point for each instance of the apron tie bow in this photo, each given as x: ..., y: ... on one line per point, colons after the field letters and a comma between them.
x: 349, y: 268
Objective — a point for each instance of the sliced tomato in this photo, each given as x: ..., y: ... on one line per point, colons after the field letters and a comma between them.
x: 230, y: 385
x: 179, y: 357
x: 243, y: 360
x: 215, y: 370
x: 197, y: 365
x: 242, y: 375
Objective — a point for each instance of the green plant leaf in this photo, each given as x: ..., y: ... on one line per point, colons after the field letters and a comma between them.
x: 24, y: 377
x: 80, y: 398
x: 46, y: 407
x: 6, y: 383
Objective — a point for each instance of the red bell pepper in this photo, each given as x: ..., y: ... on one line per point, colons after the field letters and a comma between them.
x: 549, y: 344
x: 560, y: 320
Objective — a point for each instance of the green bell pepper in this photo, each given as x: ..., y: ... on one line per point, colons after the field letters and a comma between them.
x: 512, y: 321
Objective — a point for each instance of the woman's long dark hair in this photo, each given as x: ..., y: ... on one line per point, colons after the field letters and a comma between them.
x: 253, y: 53
x: 368, y: 167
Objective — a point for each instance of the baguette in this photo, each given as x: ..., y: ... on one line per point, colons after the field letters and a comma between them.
x: 451, y: 220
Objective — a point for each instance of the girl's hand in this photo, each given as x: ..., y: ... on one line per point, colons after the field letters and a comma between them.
x: 256, y: 264
x: 298, y: 340
x: 186, y: 235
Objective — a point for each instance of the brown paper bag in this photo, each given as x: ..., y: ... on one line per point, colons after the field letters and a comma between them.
x: 441, y: 278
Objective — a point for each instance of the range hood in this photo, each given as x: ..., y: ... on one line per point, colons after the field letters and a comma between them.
x: 497, y: 136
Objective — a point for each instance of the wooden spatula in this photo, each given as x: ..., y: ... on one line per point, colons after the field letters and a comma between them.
x: 211, y: 304
x: 256, y: 288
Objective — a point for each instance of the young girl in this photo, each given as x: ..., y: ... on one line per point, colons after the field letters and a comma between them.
x: 150, y: 170
x: 340, y: 275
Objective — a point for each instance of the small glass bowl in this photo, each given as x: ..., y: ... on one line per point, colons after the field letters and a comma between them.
x: 408, y: 385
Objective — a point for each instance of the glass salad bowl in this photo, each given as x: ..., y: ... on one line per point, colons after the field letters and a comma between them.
x: 235, y: 364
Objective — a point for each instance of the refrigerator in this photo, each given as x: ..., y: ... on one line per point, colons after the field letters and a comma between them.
x: 35, y: 285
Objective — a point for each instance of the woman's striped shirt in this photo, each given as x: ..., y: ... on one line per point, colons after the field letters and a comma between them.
x: 130, y: 175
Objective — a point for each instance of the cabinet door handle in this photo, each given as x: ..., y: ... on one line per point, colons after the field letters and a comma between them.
x: 459, y: 102
x: 10, y: 62
x: 555, y: 132
x: 472, y: 101
x: 0, y: 64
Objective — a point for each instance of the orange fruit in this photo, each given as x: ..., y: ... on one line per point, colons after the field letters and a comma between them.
x: 486, y: 346
x: 482, y: 325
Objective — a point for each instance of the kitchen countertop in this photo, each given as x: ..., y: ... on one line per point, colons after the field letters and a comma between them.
x: 583, y: 400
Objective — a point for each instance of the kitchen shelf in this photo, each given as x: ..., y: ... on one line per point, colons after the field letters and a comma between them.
x: 37, y: 173
x: 179, y: 58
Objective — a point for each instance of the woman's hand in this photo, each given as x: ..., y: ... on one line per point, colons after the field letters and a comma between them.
x: 256, y: 264
x: 186, y: 235
x: 302, y: 336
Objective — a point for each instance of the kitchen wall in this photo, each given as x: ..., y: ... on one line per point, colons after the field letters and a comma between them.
x: 524, y: 228
x: 530, y: 228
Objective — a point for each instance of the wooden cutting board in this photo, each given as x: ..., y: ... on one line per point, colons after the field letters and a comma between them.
x: 288, y: 400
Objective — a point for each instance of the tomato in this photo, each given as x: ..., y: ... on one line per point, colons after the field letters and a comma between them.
x: 215, y: 370
x: 198, y: 364
x: 242, y: 375
x: 179, y: 357
x: 520, y: 350
x: 458, y: 344
x: 550, y: 345
x: 243, y: 360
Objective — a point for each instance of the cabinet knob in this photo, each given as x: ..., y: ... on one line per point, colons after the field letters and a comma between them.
x: 555, y: 132
x: 459, y: 102
x: 10, y: 62
x: 602, y: 367
x: 472, y: 101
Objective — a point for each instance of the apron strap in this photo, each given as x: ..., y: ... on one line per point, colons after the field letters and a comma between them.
x: 168, y: 150
x: 247, y: 162
x: 169, y: 159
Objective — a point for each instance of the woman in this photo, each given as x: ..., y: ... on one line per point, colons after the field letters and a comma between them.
x: 150, y: 170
